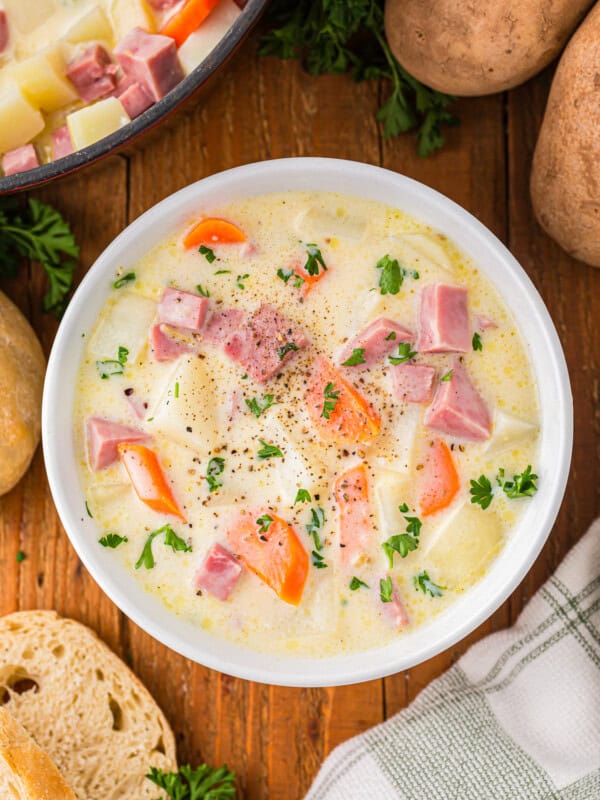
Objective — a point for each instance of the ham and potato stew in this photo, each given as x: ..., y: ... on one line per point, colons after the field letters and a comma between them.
x: 74, y: 71
x: 307, y: 422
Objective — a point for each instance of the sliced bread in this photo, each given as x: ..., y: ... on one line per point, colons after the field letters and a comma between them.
x: 82, y: 706
x: 26, y: 772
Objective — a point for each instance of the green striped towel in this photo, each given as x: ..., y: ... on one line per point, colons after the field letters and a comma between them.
x: 517, y: 718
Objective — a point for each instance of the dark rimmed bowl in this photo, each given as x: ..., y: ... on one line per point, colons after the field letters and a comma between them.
x: 150, y: 118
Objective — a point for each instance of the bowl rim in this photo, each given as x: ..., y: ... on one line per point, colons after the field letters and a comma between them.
x: 556, y: 440
x: 153, y: 116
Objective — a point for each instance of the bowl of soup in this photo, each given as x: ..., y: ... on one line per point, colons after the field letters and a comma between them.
x: 307, y: 422
x: 80, y: 80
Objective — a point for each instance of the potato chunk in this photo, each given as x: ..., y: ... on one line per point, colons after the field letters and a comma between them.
x: 42, y: 80
x: 27, y: 15
x: 125, y: 15
x: 92, y: 26
x: 92, y: 123
x: 19, y: 120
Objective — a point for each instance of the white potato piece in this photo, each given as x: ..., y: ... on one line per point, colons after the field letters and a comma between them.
x: 125, y: 15
x: 92, y: 26
x: 19, y: 120
x: 314, y: 224
x: 110, y: 498
x: 463, y: 546
x: 391, y: 491
x: 27, y: 15
x: 125, y: 324
x: 201, y: 43
x: 418, y: 251
x: 394, y: 448
x: 507, y: 431
x: 42, y: 80
x: 92, y: 123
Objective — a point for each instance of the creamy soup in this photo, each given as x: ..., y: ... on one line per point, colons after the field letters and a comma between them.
x: 307, y: 422
x: 74, y: 71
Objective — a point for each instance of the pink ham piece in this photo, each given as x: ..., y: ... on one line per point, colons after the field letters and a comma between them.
x: 444, y: 320
x: 20, y: 160
x: 182, y: 309
x: 93, y: 74
x: 103, y: 436
x: 61, y: 143
x: 218, y: 573
x: 413, y: 383
x: 484, y: 323
x: 458, y: 409
x: 150, y: 60
x: 223, y: 326
x: 166, y: 344
x: 4, y: 31
x: 135, y: 100
x: 395, y: 610
x: 378, y: 340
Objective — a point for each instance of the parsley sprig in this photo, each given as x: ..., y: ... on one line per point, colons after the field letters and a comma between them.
x: 403, y: 543
x: 172, y: 540
x: 423, y: 583
x: 216, y: 466
x: 404, y: 354
x: 330, y: 398
x: 315, y: 526
x: 203, y: 783
x: 112, y: 540
x: 314, y: 260
x: 259, y: 405
x: 357, y: 357
x: 268, y: 451
x: 523, y: 484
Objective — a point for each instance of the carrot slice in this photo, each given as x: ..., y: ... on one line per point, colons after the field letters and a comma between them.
x: 276, y: 554
x: 357, y: 532
x: 148, y: 479
x: 439, y: 481
x: 211, y: 231
x: 310, y: 281
x: 351, y: 419
x: 187, y: 19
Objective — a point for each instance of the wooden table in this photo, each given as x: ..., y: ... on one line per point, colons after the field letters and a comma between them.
x: 276, y: 738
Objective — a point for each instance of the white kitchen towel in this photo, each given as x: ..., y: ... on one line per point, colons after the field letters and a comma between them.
x: 516, y: 718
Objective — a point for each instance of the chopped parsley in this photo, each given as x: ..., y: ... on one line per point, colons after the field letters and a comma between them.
x: 176, y: 389
x: 404, y: 354
x: 423, y: 583
x: 477, y: 343
x: 522, y: 485
x: 331, y: 396
x: 123, y: 280
x: 223, y: 272
x: 284, y: 274
x: 356, y: 583
x: 318, y: 560
x: 481, y: 492
x: 390, y: 277
x: 298, y: 281
x: 203, y: 783
x: 316, y: 524
x: 268, y: 451
x: 264, y: 523
x: 112, y: 366
x: 447, y: 376
x: 403, y: 543
x: 391, y: 336
x: 201, y: 290
x: 208, y: 254
x: 302, y: 496
x: 288, y: 347
x: 215, y: 467
x: 357, y: 357
x: 259, y: 405
x: 239, y: 281
x: 20, y: 557
x: 314, y: 260
x: 172, y: 540
x: 386, y: 589
x: 87, y: 508
x: 112, y: 540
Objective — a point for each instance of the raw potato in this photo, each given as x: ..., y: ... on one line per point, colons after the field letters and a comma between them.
x: 19, y: 120
x: 565, y: 177
x: 92, y: 123
x: 21, y: 378
x: 42, y: 80
x: 477, y: 47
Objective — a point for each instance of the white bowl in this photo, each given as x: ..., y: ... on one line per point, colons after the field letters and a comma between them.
x: 495, y: 262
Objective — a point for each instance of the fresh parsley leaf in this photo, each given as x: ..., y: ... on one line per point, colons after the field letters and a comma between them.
x: 201, y: 290
x: 175, y: 542
x: 314, y: 260
x: 404, y: 354
x: 112, y: 540
x: 223, y: 272
x: 172, y: 540
x: 122, y: 354
x: 390, y: 278
x: 316, y: 524
x: 208, y: 254
x: 402, y: 543
x: 258, y: 406
x: 481, y: 492
x: 285, y: 274
x: 264, y: 523
x: 123, y: 280
x: 331, y: 396
x: 108, y: 368
x: 176, y: 390
x: 391, y: 335
x: 288, y: 347
x: 240, y: 280
x: 203, y: 783
x: 318, y: 560
x: 447, y: 376
x: 215, y: 467
x: 87, y: 508
x: 423, y: 583
x: 356, y: 583
x: 386, y: 590
x: 302, y: 496
x: 298, y: 281
x: 477, y: 343
x: 522, y: 485
x: 268, y: 451
x: 357, y: 357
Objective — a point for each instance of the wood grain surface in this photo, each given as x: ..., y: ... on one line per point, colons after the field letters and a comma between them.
x: 276, y: 738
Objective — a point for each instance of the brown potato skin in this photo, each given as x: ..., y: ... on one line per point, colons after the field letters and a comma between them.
x: 478, y: 47
x: 565, y: 174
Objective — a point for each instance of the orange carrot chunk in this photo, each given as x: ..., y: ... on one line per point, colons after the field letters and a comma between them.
x: 439, y: 481
x: 189, y: 17
x: 347, y: 418
x: 273, y: 551
x: 148, y: 479
x: 310, y: 281
x: 357, y: 532
x: 212, y: 231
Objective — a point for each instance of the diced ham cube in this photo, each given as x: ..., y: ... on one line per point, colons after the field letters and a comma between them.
x: 20, y: 160
x: 167, y: 344
x: 377, y: 340
x: 395, y: 610
x: 62, y: 144
x: 103, y: 438
x: 150, y: 60
x: 218, y: 573
x: 484, y: 323
x: 413, y: 383
x: 444, y: 320
x: 182, y: 309
x: 135, y: 100
x: 458, y: 409
x: 4, y: 31
x: 136, y: 404
x: 93, y: 74
x: 223, y: 326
